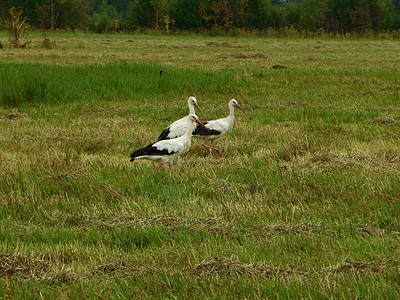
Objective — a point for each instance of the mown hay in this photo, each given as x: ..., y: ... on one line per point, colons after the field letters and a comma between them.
x: 113, y: 269
x: 224, y: 266
x: 14, y: 116
x: 355, y: 268
x: 22, y: 266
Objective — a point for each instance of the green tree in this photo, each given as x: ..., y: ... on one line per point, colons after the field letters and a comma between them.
x: 259, y: 14
x: 307, y: 14
x: 106, y: 21
x: 355, y: 15
x: 186, y: 14
x: 149, y: 13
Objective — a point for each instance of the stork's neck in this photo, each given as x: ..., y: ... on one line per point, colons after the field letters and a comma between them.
x: 231, y: 111
x: 190, y: 127
x: 191, y: 108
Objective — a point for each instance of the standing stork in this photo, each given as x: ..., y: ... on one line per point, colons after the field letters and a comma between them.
x: 167, y: 151
x: 178, y: 128
x: 217, y: 128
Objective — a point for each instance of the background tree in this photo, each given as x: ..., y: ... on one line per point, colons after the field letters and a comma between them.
x: 260, y: 14
x: 106, y: 20
x: 149, y: 13
x: 108, y: 16
x: 185, y: 13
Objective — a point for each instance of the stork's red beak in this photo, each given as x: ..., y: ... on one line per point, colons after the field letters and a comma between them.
x: 238, y: 106
x: 200, y: 123
x: 198, y: 107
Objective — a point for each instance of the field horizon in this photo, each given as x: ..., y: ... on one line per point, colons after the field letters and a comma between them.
x: 302, y: 203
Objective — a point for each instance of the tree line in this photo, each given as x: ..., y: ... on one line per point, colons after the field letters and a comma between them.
x: 337, y: 16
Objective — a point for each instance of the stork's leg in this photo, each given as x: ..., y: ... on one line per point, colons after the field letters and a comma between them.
x: 170, y: 168
x: 213, y: 148
x: 159, y: 167
x: 204, y: 145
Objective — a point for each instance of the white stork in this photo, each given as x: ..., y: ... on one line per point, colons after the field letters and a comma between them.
x: 217, y: 128
x: 178, y: 128
x: 167, y: 151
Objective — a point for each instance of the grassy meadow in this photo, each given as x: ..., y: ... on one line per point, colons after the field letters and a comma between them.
x: 302, y: 203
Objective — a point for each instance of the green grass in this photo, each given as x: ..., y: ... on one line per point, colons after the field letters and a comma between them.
x: 303, y: 201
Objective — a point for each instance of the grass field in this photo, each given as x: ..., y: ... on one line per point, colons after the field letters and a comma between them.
x: 303, y: 202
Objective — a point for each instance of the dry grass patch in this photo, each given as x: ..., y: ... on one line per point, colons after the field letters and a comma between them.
x: 226, y: 267
x: 22, y: 266
x: 25, y: 268
x: 356, y: 268
x: 243, y: 56
x: 385, y: 120
x: 14, y: 116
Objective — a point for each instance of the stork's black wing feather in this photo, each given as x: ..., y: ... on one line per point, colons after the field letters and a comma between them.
x: 164, y: 134
x: 200, y: 130
x: 150, y: 150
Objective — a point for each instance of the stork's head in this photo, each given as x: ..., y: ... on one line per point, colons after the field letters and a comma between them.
x: 194, y: 119
x: 234, y: 103
x: 192, y: 101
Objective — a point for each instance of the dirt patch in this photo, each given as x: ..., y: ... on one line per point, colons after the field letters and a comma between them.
x: 14, y: 116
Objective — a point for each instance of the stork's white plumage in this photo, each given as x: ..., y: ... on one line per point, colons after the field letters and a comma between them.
x: 178, y: 128
x: 167, y: 151
x: 217, y: 128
